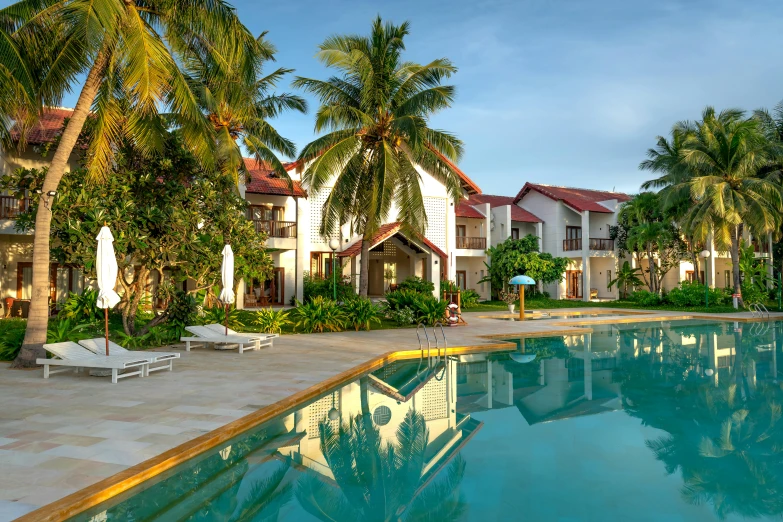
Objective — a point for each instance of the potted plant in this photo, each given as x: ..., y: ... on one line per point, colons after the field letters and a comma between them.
x: 510, y: 298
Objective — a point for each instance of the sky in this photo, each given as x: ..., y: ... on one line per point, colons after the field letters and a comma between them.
x: 564, y: 92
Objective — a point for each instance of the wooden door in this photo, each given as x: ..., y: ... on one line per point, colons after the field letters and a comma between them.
x: 573, y: 284
x: 462, y: 279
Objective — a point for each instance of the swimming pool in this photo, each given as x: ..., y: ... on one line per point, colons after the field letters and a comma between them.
x: 536, y: 316
x: 638, y: 421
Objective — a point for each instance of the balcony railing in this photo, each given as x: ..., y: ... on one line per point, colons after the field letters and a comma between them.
x: 596, y: 243
x: 474, y: 243
x: 10, y: 207
x: 276, y: 228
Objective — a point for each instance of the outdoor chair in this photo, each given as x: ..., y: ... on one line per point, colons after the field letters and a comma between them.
x: 204, y: 335
x: 72, y: 356
x: 98, y: 346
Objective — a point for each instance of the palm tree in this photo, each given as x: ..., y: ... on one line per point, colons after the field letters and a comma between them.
x: 626, y: 277
x: 131, y: 51
x: 239, y: 110
x: 377, y: 112
x: 377, y: 481
x: 643, y: 219
x: 730, y: 187
x: 17, y: 85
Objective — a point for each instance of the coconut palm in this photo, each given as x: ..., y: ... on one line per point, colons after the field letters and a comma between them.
x: 377, y: 113
x: 626, y: 277
x: 17, y: 85
x: 731, y: 184
x: 133, y: 52
x: 377, y: 481
x: 240, y: 111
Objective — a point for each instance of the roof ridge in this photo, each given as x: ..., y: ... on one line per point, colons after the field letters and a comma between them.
x: 579, y: 188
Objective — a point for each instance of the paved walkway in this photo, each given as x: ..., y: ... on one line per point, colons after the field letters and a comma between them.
x: 63, y: 434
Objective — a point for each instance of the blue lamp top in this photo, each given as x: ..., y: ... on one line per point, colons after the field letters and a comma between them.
x: 522, y: 280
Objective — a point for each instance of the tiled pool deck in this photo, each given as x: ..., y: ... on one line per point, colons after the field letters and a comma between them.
x: 63, y: 434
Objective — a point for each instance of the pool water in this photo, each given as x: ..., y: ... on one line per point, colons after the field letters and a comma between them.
x: 564, y: 315
x: 676, y: 421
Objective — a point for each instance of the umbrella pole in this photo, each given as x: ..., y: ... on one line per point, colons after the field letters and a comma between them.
x: 226, y: 319
x: 106, y: 321
x: 521, y: 302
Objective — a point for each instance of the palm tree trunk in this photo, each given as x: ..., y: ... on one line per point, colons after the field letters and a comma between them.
x: 38, y: 318
x: 364, y: 267
x: 735, y: 268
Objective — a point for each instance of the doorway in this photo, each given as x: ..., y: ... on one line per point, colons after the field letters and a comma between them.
x: 462, y: 279
x: 573, y: 284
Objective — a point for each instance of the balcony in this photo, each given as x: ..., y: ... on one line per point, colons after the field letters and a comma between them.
x: 596, y: 243
x: 10, y: 207
x: 472, y: 243
x: 284, y: 229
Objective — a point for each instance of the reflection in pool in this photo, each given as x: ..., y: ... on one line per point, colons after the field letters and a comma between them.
x: 645, y: 421
x: 561, y: 315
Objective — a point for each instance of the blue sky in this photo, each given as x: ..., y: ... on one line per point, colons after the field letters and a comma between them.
x: 561, y: 92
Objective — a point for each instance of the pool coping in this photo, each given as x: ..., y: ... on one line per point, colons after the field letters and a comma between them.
x: 105, y: 489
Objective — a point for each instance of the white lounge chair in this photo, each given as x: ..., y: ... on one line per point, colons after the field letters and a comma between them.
x: 263, y: 336
x: 221, y: 341
x: 74, y: 357
x: 98, y: 346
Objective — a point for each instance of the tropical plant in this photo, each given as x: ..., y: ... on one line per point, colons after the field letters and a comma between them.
x: 11, y: 337
x: 509, y: 297
x: 380, y: 481
x: 417, y: 284
x: 626, y: 277
x: 318, y: 315
x: 377, y: 113
x: 401, y: 316
x: 692, y: 293
x: 271, y: 320
x: 521, y: 256
x: 430, y: 311
x: 132, y: 54
x: 645, y: 298
x: 403, y: 299
x: 81, y: 307
x: 217, y: 315
x: 361, y: 312
x: 65, y: 330
x: 314, y: 286
x: 469, y: 298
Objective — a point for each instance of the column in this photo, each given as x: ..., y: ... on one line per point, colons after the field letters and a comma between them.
x: 240, y: 296
x: 540, y: 235
x: 586, y: 255
x: 302, y: 261
x: 489, y: 385
x: 710, y: 262
x: 588, y: 367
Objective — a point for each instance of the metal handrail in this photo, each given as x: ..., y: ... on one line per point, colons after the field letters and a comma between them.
x: 758, y: 308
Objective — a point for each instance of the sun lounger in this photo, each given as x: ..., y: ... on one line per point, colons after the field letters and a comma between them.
x: 74, y: 357
x: 98, y: 346
x: 205, y: 335
x: 219, y: 328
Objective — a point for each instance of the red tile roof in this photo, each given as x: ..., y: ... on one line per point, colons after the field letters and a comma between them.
x: 517, y: 213
x: 467, y: 184
x: 263, y: 180
x: 385, y: 232
x: 48, y: 127
x: 577, y: 198
x: 465, y: 210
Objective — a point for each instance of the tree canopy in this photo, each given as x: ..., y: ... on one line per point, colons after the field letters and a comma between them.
x: 521, y: 256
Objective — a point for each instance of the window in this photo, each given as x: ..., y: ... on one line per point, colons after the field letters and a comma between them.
x: 514, y: 233
x: 382, y: 415
x: 727, y: 279
x: 266, y: 213
x: 461, y: 231
x: 573, y: 232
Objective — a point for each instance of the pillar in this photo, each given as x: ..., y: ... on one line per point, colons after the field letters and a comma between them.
x: 586, y: 255
x: 302, y: 261
x: 710, y: 263
x: 588, y: 367
x: 770, y: 271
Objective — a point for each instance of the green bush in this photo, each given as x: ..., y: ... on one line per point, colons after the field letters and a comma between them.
x: 11, y: 337
x: 217, y: 314
x: 402, y: 317
x: 691, y: 293
x: 398, y: 299
x: 318, y: 315
x: 181, y: 312
x: 751, y: 293
x: 270, y: 320
x: 316, y: 286
x: 82, y: 308
x: 645, y: 298
x: 66, y: 330
x: 417, y: 284
x: 469, y: 298
x: 361, y: 312
x: 430, y: 311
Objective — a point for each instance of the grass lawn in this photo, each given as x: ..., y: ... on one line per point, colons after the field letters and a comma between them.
x: 544, y: 303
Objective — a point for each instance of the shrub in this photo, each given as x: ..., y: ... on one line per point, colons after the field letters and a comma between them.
x: 82, y: 308
x: 469, y: 299
x: 751, y: 293
x: 402, y: 317
x: 405, y: 299
x: 271, y: 321
x: 181, y: 312
x: 11, y: 337
x: 417, y: 284
x: 360, y: 312
x: 645, y: 298
x: 691, y: 293
x: 217, y: 314
x: 317, y: 286
x: 430, y: 311
x: 66, y: 330
x: 318, y: 315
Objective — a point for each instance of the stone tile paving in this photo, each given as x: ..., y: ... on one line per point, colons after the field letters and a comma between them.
x: 63, y: 434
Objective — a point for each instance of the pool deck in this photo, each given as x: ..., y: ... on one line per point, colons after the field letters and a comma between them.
x: 68, y: 432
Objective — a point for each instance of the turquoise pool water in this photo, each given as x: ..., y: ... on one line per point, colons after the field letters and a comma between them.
x: 675, y: 421
x: 564, y: 315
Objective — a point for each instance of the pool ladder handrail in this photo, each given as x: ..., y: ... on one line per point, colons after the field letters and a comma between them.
x: 423, y: 327
x: 758, y: 308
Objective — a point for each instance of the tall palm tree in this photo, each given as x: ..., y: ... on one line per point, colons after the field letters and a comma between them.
x: 731, y: 185
x: 377, y: 112
x: 643, y: 218
x: 240, y: 111
x: 17, y: 85
x: 130, y: 50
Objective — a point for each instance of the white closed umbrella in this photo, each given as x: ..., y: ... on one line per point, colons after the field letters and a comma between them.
x: 106, y: 266
x: 227, y: 278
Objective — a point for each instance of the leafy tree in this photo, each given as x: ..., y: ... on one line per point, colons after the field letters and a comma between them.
x: 521, y: 256
x: 626, y: 277
x: 134, y: 55
x: 165, y: 212
x: 377, y: 113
